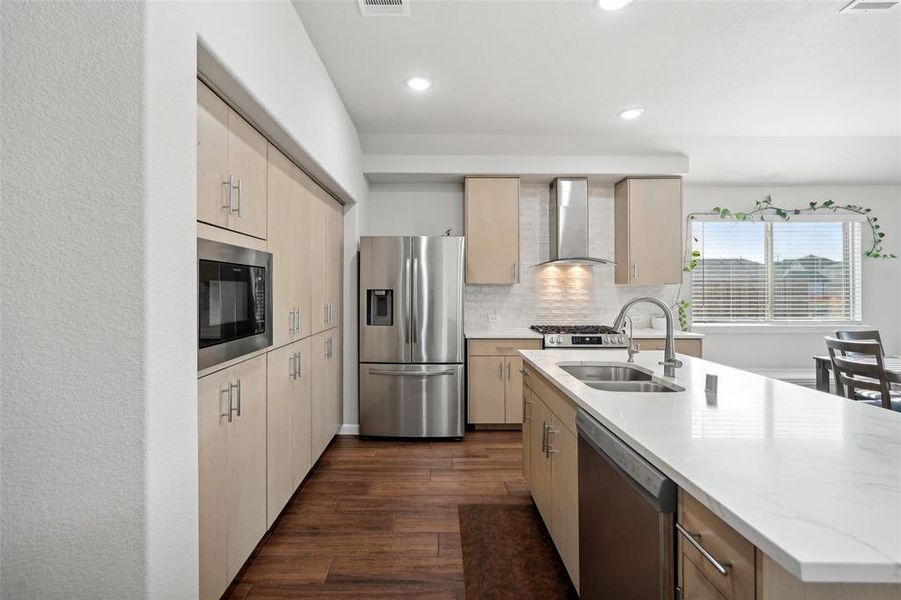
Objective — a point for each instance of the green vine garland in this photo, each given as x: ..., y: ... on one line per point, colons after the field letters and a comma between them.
x: 763, y: 208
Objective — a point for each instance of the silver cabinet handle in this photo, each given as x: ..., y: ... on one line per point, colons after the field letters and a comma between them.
x: 635, y: 270
x: 297, y: 320
x: 291, y: 328
x: 227, y: 389
x: 297, y: 366
x: 331, y: 313
x: 500, y: 371
x: 240, y: 197
x: 524, y: 372
x: 230, y: 183
x: 292, y: 368
x: 721, y: 568
x: 325, y: 314
x: 544, y: 438
x: 508, y: 371
x: 233, y: 386
x: 550, y: 449
x: 411, y: 373
x: 514, y: 272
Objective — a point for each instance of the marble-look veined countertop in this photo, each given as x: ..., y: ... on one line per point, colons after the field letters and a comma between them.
x: 812, y: 479
x: 500, y: 333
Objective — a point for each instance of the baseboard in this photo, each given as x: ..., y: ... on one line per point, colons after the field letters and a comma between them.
x: 349, y: 429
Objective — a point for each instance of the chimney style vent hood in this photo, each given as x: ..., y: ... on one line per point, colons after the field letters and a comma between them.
x: 569, y: 224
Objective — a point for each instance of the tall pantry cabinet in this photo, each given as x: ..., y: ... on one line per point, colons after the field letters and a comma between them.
x: 264, y: 419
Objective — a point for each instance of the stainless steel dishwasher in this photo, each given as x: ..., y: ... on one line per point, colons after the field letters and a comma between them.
x: 626, y: 514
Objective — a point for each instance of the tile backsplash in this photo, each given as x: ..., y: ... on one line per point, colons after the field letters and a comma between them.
x: 559, y: 295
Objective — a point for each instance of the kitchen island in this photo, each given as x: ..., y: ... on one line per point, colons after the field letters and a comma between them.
x: 812, y: 480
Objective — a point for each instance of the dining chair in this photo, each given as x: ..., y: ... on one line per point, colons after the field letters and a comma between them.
x: 869, y: 334
x: 862, y: 381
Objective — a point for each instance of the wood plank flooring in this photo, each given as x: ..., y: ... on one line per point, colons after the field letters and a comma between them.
x: 379, y: 519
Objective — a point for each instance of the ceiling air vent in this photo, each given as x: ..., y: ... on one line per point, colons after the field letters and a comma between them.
x: 863, y: 6
x: 384, y: 8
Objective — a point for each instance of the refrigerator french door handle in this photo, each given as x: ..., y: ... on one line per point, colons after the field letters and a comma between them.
x: 414, y: 324
x: 408, y: 293
x: 411, y: 373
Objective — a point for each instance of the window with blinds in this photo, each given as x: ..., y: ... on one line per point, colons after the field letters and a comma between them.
x: 776, y: 271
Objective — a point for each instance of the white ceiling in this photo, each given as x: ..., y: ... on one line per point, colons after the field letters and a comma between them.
x: 772, y: 77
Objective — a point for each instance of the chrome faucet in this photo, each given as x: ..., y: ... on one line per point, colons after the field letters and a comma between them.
x: 633, y: 347
x: 670, y: 362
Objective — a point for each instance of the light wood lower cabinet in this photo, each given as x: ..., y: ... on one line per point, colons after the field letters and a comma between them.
x: 326, y: 389
x: 288, y: 433
x: 553, y: 470
x: 495, y: 381
x: 689, y: 347
x: 232, y: 470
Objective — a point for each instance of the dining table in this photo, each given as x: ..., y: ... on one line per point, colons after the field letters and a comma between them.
x: 823, y: 365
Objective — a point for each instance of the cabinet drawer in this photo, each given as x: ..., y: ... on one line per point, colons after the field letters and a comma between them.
x: 501, y: 347
x: 694, y: 585
x: 689, y: 347
x: 723, y: 543
x: 557, y: 403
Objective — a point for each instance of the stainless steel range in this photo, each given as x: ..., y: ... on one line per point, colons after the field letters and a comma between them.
x: 581, y: 336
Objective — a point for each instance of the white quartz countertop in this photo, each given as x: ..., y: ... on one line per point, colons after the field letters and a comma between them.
x: 812, y: 479
x: 526, y: 333
x: 501, y: 333
x: 644, y: 334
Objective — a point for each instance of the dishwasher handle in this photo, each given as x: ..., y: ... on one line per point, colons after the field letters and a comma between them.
x: 656, y: 487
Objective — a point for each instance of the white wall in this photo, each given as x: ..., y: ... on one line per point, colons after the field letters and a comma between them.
x: 73, y: 303
x: 792, y: 347
x: 98, y: 435
x: 414, y: 209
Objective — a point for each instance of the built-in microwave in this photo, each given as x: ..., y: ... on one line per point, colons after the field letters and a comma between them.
x: 234, y: 302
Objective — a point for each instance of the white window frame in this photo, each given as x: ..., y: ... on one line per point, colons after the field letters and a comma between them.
x: 767, y: 325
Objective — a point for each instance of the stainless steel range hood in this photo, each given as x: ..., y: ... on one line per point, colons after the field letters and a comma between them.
x: 569, y: 224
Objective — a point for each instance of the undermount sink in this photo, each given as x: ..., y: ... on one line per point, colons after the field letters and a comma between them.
x: 593, y: 373
x: 632, y: 386
x: 619, y: 378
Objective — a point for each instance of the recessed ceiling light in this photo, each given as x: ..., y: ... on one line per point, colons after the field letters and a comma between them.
x: 631, y: 113
x: 420, y: 84
x: 613, y: 4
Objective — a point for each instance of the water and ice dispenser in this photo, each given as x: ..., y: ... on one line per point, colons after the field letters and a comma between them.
x: 380, y: 308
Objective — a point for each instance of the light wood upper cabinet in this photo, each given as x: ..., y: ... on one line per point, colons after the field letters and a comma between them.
x: 212, y: 158
x: 289, y: 230
x: 231, y: 470
x: 326, y: 389
x: 231, y: 168
x: 327, y: 259
x: 491, y: 222
x: 648, y: 231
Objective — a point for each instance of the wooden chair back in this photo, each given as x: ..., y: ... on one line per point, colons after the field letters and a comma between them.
x: 869, y: 334
x: 851, y: 373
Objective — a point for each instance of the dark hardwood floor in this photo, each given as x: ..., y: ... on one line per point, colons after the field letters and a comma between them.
x: 379, y: 519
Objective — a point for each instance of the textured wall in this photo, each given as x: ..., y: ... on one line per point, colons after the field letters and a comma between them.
x: 72, y: 301
x: 553, y: 294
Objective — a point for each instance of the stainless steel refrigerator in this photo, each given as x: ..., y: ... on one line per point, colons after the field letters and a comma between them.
x: 411, y: 336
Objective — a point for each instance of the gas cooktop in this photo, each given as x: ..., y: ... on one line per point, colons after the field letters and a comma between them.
x: 581, y: 336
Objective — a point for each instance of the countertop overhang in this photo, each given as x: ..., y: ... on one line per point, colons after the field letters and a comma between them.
x: 812, y: 479
x: 522, y: 332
